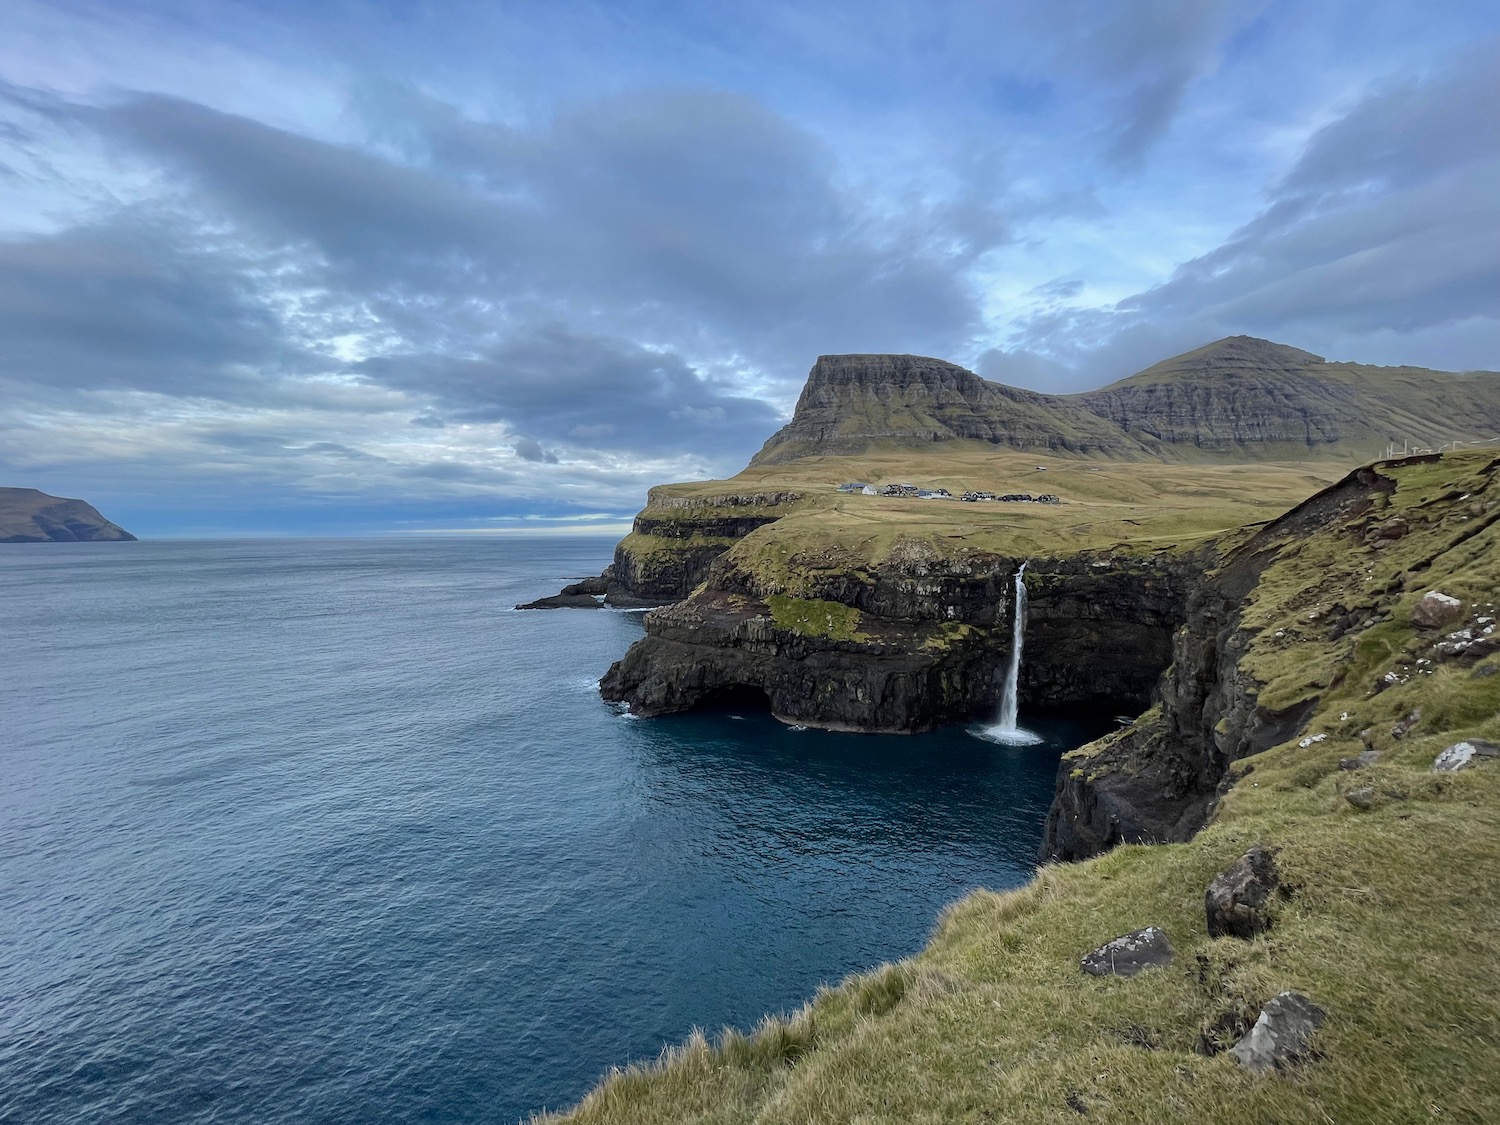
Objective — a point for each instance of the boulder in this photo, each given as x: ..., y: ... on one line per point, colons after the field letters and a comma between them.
x: 1281, y: 1036
x: 1436, y: 610
x: 1404, y: 727
x: 1129, y: 954
x: 1394, y: 528
x: 1360, y: 761
x: 1237, y: 900
x: 1467, y: 646
x: 1362, y: 798
x: 1461, y: 755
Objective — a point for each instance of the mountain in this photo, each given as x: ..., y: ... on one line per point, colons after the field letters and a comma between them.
x: 30, y: 516
x: 1242, y: 395
x: 853, y: 402
x: 1237, y: 399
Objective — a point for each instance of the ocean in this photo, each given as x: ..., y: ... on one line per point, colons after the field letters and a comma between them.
x: 323, y: 831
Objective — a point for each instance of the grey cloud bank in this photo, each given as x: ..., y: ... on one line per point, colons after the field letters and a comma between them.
x: 434, y: 294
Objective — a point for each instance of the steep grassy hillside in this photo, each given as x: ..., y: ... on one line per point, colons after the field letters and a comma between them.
x: 1245, y: 398
x: 1390, y: 922
x: 852, y: 403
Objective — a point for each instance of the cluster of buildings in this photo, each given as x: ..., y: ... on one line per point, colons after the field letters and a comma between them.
x: 909, y: 490
x: 913, y: 492
x: 1012, y: 498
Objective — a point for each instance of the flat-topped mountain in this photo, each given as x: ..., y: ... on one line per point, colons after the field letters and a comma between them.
x: 1240, y: 398
x: 852, y: 402
x: 28, y: 515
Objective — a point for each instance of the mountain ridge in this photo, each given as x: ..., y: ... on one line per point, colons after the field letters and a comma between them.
x: 1239, y: 398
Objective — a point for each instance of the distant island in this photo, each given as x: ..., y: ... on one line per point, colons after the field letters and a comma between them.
x: 28, y: 515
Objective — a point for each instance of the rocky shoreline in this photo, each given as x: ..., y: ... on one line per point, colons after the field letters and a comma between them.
x: 912, y: 645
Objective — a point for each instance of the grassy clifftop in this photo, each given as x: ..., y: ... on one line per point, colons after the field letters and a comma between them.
x: 1391, y: 923
x: 1138, y: 506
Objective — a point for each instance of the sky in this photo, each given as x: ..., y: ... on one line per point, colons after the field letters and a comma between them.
x: 343, y: 267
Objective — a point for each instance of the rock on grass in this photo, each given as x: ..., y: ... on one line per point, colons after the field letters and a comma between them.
x: 1281, y: 1036
x: 1436, y: 610
x: 1129, y: 954
x: 1237, y: 900
x: 1461, y: 755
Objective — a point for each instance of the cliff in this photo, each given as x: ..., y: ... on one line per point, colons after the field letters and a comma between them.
x: 1166, y: 453
x: 1314, y: 605
x: 30, y: 516
x: 910, y: 639
x: 680, y: 533
x: 1306, y: 672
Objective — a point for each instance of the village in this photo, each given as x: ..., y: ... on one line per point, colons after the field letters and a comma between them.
x: 912, y: 491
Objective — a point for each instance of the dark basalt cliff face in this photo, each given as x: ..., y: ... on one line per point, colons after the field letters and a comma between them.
x: 1158, y: 780
x: 1238, y: 397
x: 675, y: 539
x: 918, y: 640
x: 913, y: 644
x: 31, y: 516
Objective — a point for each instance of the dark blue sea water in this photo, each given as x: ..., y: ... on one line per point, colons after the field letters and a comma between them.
x: 315, y: 832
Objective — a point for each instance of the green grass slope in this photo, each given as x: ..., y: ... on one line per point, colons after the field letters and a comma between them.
x: 1392, y: 924
x: 1138, y: 506
x: 1244, y: 398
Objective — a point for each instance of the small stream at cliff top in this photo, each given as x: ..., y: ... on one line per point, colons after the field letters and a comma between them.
x: 322, y: 831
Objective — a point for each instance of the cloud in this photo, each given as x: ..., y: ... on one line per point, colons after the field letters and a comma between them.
x: 1155, y: 50
x: 571, y: 388
x: 603, y: 282
x: 1021, y: 368
x: 528, y: 449
x: 1390, y: 219
x: 130, y: 302
x: 1386, y: 227
x: 503, y: 274
x: 646, y: 209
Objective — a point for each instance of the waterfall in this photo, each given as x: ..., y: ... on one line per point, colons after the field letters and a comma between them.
x: 1006, y: 729
x: 1008, y: 706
